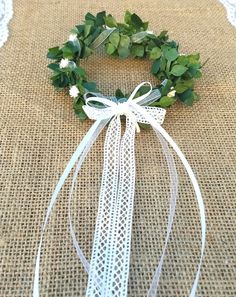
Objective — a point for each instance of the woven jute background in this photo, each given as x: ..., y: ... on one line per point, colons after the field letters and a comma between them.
x: 39, y: 132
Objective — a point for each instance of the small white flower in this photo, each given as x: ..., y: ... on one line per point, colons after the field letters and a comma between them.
x: 74, y: 91
x: 171, y: 93
x: 73, y: 37
x: 64, y: 63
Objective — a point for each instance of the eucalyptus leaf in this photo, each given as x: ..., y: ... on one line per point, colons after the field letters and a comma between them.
x: 87, y: 29
x: 178, y: 70
x: 110, y: 48
x: 80, y: 71
x: 110, y: 21
x: 137, y: 50
x: 124, y: 41
x: 119, y: 94
x: 67, y: 53
x: 90, y: 86
x: 170, y: 53
x: 114, y: 39
x: 127, y: 17
x: 100, y: 18
x: 183, y: 85
x: 183, y: 60
x: 124, y: 52
x: 155, y: 53
x: 54, y: 66
x: 187, y: 97
x: 54, y: 53
x: 165, y: 101
x: 155, y: 66
x: 136, y: 21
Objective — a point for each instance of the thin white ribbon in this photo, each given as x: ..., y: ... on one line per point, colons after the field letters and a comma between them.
x: 109, y: 268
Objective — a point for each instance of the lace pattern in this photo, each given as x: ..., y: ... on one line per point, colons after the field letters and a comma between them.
x: 230, y: 6
x: 6, y: 13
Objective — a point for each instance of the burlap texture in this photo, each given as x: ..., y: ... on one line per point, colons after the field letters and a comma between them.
x: 39, y: 132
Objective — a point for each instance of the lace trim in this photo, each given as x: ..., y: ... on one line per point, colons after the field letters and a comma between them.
x: 6, y: 13
x: 230, y: 6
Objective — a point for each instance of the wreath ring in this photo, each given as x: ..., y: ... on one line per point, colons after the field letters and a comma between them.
x: 175, y: 72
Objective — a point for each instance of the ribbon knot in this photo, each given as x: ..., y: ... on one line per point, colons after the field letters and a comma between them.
x: 135, y: 107
x: 124, y: 109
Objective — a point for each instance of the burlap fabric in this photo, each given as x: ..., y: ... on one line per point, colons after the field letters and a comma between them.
x: 39, y: 132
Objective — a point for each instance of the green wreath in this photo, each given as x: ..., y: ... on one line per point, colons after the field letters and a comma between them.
x: 175, y: 72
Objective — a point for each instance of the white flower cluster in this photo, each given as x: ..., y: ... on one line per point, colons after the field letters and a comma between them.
x: 171, y: 93
x: 64, y: 63
x: 74, y: 91
x: 73, y: 37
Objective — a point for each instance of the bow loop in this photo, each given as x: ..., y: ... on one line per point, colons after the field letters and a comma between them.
x: 99, y: 107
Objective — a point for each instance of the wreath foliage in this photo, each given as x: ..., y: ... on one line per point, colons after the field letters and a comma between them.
x: 174, y: 71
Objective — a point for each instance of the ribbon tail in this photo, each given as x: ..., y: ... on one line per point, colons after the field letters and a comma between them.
x: 75, y: 156
x: 157, y: 127
x: 121, y: 234
x: 174, y: 195
x: 74, y: 183
x: 101, y: 252
x: 201, y: 207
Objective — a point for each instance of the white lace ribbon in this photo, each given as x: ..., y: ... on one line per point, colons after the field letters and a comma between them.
x: 6, y: 13
x: 109, y: 267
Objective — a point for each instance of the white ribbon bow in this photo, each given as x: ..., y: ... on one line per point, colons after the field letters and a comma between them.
x: 109, y: 266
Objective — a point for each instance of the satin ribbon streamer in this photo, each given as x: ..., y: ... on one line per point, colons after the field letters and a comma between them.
x: 109, y: 267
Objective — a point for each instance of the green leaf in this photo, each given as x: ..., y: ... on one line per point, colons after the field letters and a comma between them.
x: 73, y: 46
x: 155, y: 53
x: 60, y: 80
x: 89, y: 17
x: 90, y: 86
x: 110, y: 21
x: 183, y: 85
x: 110, y: 48
x: 127, y: 18
x: 163, y: 64
x: 187, y: 97
x: 114, y: 39
x: 137, y: 22
x: 54, y: 66
x: 155, y: 66
x: 198, y: 74
x: 54, y: 53
x: 87, y: 29
x: 124, y: 41
x: 145, y: 26
x: 170, y: 53
x: 86, y: 52
x: 178, y: 70
x: 119, y: 94
x: 80, y: 71
x: 183, y: 60
x: 163, y: 35
x: 100, y: 18
x: 123, y: 52
x: 165, y: 101
x: 78, y: 108
x: 67, y: 53
x: 80, y: 29
x: 193, y: 58
x: 137, y: 50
